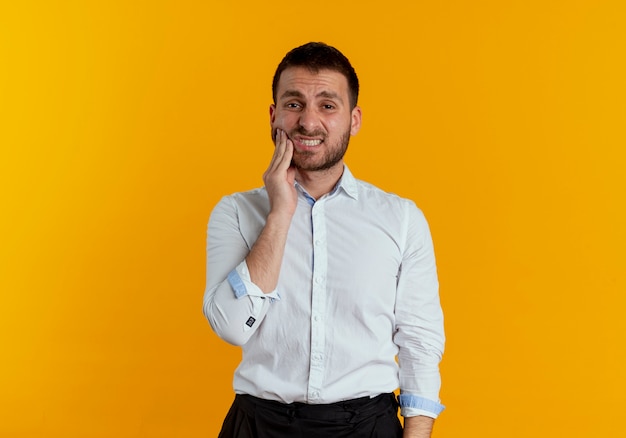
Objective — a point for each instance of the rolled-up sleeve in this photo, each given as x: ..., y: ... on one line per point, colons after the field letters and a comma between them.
x: 419, y: 321
x: 233, y: 304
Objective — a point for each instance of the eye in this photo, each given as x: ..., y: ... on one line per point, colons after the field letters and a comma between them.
x: 293, y: 105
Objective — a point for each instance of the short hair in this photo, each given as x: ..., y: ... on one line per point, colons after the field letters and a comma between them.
x: 316, y: 57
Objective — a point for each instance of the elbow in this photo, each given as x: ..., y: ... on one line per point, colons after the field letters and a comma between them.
x: 236, y: 339
x: 224, y: 328
x: 229, y: 333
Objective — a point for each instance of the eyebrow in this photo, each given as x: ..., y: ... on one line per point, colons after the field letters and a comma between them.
x: 330, y: 95
x: 324, y: 94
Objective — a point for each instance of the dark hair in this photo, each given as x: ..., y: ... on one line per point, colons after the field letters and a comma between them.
x: 316, y: 57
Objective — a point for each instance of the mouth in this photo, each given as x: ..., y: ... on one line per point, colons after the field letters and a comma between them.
x: 305, y: 143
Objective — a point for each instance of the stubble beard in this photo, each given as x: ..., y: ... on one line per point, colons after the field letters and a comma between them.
x: 333, y: 155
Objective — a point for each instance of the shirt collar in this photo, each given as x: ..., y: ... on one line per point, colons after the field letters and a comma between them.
x: 347, y: 183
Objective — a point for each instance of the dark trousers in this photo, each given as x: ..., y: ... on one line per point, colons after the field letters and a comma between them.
x: 251, y: 417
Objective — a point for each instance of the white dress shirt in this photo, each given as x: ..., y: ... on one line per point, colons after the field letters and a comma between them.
x: 357, y: 288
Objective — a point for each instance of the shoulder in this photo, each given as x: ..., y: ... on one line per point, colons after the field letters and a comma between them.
x: 246, y: 203
x: 253, y: 195
x: 247, y: 197
x: 375, y: 196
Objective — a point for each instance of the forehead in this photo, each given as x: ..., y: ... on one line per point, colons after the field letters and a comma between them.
x: 309, y: 83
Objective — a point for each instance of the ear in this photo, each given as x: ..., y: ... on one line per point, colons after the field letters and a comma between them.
x: 272, y: 113
x: 356, y: 120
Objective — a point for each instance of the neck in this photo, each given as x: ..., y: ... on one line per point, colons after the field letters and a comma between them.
x: 320, y: 182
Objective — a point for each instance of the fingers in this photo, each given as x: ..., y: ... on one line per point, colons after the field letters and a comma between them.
x: 288, y: 155
x: 279, y: 177
x: 283, y: 152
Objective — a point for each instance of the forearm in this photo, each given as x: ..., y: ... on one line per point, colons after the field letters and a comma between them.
x: 418, y: 427
x: 265, y: 258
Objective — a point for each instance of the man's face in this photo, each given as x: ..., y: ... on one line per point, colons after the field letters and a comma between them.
x: 314, y: 110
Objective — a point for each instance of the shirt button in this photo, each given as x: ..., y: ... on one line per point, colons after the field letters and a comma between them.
x: 316, y: 318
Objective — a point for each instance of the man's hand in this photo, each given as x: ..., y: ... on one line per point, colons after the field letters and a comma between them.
x: 279, y: 178
x: 418, y: 427
x: 265, y: 257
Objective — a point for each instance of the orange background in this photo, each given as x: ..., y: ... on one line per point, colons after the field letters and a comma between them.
x: 122, y: 124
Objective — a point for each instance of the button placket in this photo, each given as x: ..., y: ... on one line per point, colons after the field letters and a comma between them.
x: 318, y: 302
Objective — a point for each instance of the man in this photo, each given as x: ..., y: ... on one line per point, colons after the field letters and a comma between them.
x: 322, y: 279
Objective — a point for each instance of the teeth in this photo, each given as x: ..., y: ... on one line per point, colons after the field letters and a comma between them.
x: 310, y: 142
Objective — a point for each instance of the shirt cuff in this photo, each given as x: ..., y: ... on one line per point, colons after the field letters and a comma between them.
x: 242, y: 285
x: 413, y: 405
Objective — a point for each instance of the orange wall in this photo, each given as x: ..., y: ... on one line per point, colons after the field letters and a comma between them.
x: 122, y: 123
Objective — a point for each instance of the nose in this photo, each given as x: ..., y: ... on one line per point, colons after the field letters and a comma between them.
x: 309, y: 119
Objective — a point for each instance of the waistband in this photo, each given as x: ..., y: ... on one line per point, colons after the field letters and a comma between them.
x: 348, y: 410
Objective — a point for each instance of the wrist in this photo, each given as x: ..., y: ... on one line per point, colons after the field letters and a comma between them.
x: 280, y: 218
